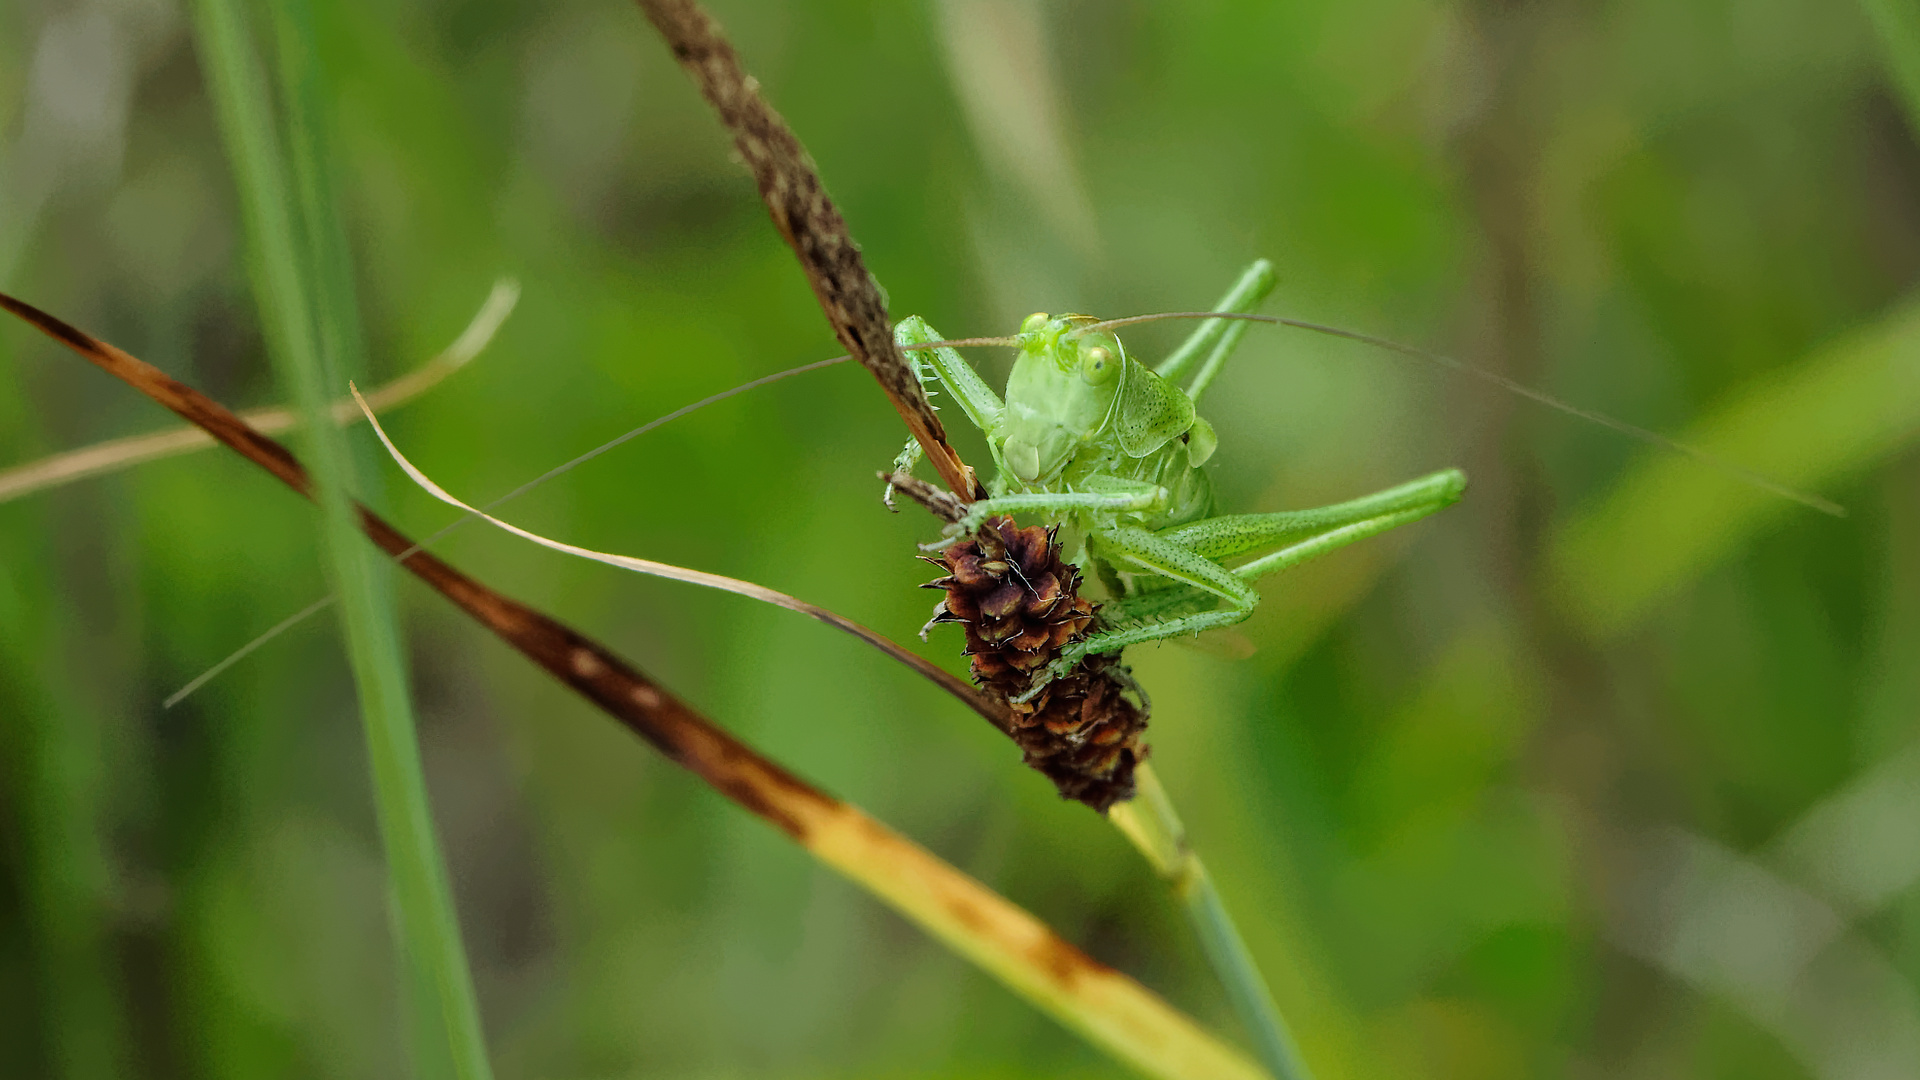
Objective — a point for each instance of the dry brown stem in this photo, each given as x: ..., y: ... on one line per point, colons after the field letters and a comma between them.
x: 805, y: 215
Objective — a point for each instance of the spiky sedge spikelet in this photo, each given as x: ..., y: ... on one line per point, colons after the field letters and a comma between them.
x: 1020, y: 605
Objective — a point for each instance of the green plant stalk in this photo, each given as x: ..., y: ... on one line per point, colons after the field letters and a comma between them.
x: 330, y: 266
x: 285, y: 281
x: 343, y: 349
x: 1150, y: 823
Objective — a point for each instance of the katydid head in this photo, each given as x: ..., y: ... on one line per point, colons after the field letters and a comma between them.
x: 1061, y: 392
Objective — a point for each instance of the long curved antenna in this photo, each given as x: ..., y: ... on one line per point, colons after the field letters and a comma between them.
x: 321, y: 604
x: 246, y: 650
x: 962, y: 343
x: 659, y: 421
x: 940, y: 677
x: 1645, y: 435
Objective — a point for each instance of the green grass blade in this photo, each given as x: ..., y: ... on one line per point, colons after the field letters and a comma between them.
x: 287, y: 282
x: 343, y: 351
x: 1151, y: 824
x: 337, y: 313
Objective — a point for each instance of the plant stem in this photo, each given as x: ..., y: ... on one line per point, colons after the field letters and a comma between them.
x: 304, y: 317
x: 1149, y: 821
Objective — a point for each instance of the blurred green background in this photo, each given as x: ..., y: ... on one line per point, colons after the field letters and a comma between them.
x: 1612, y: 770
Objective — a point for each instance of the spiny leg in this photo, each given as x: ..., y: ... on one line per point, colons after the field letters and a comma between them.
x: 1237, y: 534
x: 977, y: 400
x: 1140, y: 497
x: 1138, y: 549
x: 908, y: 457
x: 1306, y: 534
x: 982, y: 406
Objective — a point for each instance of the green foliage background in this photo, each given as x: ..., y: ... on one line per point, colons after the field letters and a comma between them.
x: 1609, y: 771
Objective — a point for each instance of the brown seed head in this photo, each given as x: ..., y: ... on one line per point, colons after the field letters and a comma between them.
x: 1020, y: 605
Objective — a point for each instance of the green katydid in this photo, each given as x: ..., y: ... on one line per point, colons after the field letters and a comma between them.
x: 1091, y: 439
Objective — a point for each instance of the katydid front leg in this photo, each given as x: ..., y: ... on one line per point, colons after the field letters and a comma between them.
x: 982, y: 406
x: 903, y: 464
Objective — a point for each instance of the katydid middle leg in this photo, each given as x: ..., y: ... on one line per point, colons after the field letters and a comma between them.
x: 1119, y: 496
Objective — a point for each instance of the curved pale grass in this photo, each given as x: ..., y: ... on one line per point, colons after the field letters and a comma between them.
x: 116, y: 454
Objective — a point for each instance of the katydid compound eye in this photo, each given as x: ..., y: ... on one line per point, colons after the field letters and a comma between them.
x: 1099, y: 363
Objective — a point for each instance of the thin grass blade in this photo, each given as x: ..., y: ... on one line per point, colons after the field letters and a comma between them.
x: 286, y: 283
x: 108, y: 457
x: 1150, y: 823
x: 972, y: 697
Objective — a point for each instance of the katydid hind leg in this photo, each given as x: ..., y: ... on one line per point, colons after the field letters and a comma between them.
x: 1217, y: 359
x: 1332, y: 540
x: 1206, y: 340
x: 1139, y: 550
x: 1185, y: 557
x: 1231, y: 535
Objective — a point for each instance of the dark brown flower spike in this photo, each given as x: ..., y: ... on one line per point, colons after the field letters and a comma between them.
x: 1019, y: 603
